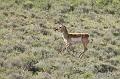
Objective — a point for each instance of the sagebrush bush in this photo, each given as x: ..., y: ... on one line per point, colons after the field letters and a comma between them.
x: 30, y: 48
x: 28, y: 5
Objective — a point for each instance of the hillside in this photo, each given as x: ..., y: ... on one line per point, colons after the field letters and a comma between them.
x: 30, y: 48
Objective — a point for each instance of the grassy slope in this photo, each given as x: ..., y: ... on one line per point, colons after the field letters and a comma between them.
x: 30, y: 48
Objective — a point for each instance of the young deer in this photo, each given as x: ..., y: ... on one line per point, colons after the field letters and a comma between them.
x: 73, y: 38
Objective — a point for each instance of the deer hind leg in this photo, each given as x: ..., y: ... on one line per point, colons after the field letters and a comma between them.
x: 85, y: 42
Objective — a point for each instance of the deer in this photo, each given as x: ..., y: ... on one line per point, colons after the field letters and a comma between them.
x: 73, y: 38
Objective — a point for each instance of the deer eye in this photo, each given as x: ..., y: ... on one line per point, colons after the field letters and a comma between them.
x: 60, y: 27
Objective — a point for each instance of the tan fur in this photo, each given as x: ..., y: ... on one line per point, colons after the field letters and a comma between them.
x: 73, y: 38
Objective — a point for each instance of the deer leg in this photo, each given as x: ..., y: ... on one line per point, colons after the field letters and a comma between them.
x: 66, y: 47
x: 85, y: 41
x: 85, y: 47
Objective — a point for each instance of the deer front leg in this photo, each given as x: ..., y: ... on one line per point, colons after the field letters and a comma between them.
x: 66, y: 47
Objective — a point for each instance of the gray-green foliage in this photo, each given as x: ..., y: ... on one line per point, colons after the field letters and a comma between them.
x: 30, y: 48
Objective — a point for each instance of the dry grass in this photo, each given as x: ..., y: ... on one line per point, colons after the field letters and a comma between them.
x: 31, y: 49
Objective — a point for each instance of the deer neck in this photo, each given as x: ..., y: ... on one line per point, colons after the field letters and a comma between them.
x: 65, y: 34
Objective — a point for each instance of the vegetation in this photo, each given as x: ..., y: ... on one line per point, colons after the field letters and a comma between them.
x: 31, y: 49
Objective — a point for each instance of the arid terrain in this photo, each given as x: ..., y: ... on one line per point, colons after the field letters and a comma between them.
x: 30, y: 48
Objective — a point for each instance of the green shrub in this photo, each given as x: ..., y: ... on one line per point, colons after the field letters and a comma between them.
x: 28, y: 5
x: 30, y: 48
